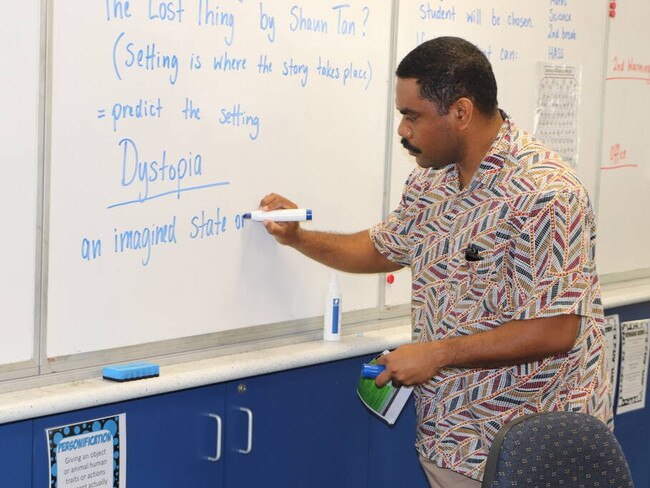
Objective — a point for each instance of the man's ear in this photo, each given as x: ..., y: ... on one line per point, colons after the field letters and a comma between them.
x: 462, y: 111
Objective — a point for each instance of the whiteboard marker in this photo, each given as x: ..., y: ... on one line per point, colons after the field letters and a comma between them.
x: 283, y: 215
x: 372, y: 370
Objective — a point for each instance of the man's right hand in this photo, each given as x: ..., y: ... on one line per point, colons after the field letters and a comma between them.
x: 284, y: 232
x: 352, y: 253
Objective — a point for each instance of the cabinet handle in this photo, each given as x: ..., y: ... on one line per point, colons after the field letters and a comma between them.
x: 249, y: 441
x: 217, y: 455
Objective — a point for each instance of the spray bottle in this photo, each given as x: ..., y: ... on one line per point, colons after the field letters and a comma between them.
x: 332, y: 319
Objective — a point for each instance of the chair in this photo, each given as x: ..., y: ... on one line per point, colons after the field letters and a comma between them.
x: 556, y: 450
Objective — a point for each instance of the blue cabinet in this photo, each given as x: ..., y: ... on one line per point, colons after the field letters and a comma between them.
x: 173, y: 439
x: 303, y: 427
x: 170, y: 438
x: 16, y: 454
x: 393, y: 460
x: 631, y: 428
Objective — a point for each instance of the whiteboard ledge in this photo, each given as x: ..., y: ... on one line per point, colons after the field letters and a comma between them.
x: 86, y: 393
x: 620, y: 293
x: 49, y: 400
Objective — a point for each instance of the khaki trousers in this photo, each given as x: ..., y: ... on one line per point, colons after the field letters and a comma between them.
x: 446, y: 478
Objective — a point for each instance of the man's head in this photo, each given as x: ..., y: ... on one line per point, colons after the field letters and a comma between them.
x: 441, y: 84
x: 448, y: 68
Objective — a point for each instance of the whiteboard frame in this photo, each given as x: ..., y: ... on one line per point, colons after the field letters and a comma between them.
x: 84, y: 365
x: 617, y: 279
x: 31, y: 367
x: 41, y: 371
x: 388, y: 149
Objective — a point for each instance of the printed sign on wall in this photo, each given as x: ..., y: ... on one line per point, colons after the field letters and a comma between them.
x: 90, y: 454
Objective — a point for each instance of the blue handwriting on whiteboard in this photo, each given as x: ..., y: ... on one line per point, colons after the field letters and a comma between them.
x: 328, y: 70
x: 170, y: 192
x: 345, y: 27
x: 562, y: 33
x: 166, y: 10
x: 293, y: 69
x: 267, y: 22
x: 302, y: 23
x: 141, y: 109
x: 145, y: 238
x: 195, y: 62
x: 347, y: 73
x: 203, y: 226
x: 91, y: 249
x: 264, y: 66
x: 506, y: 54
x: 190, y: 112
x: 135, y: 170
x: 517, y: 20
x: 148, y: 58
x: 211, y: 16
x: 474, y: 16
x: 120, y: 9
x: 440, y: 13
x: 554, y: 16
x: 352, y: 72
x: 238, y: 117
x: 224, y: 62
x: 555, y: 53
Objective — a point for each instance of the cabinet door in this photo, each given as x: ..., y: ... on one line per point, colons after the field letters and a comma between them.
x: 16, y: 454
x: 632, y: 429
x: 309, y: 429
x: 393, y: 460
x: 169, y: 438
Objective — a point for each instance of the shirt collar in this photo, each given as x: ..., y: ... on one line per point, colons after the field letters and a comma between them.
x: 492, y: 162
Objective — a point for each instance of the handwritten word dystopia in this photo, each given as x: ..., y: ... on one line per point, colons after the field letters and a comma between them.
x: 138, y: 171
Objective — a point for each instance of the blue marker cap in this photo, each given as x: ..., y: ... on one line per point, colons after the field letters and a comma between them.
x: 308, y: 214
x: 371, y: 370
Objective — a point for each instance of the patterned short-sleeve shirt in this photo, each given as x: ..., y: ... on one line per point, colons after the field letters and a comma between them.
x: 531, y: 222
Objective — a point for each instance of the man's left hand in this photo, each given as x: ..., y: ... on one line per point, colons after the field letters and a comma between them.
x: 411, y: 364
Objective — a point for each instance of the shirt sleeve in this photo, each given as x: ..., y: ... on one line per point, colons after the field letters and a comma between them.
x: 551, y: 268
x: 392, y: 237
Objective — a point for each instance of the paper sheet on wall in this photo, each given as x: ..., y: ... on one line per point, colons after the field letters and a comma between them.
x: 612, y: 341
x: 556, y: 115
x: 88, y: 454
x: 634, y: 366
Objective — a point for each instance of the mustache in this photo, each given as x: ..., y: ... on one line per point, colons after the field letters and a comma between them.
x: 410, y: 148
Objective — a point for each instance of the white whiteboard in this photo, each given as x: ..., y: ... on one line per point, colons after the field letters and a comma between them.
x: 270, y: 120
x: 624, y: 199
x: 517, y: 37
x: 318, y: 137
x: 19, y: 109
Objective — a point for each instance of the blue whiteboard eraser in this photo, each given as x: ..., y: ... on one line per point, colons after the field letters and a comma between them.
x: 130, y: 371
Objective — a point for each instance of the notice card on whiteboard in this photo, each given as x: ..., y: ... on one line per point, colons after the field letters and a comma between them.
x: 88, y: 454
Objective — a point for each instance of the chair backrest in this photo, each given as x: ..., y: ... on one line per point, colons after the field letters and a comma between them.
x: 556, y: 449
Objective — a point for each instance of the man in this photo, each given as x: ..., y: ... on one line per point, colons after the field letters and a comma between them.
x: 499, y: 235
